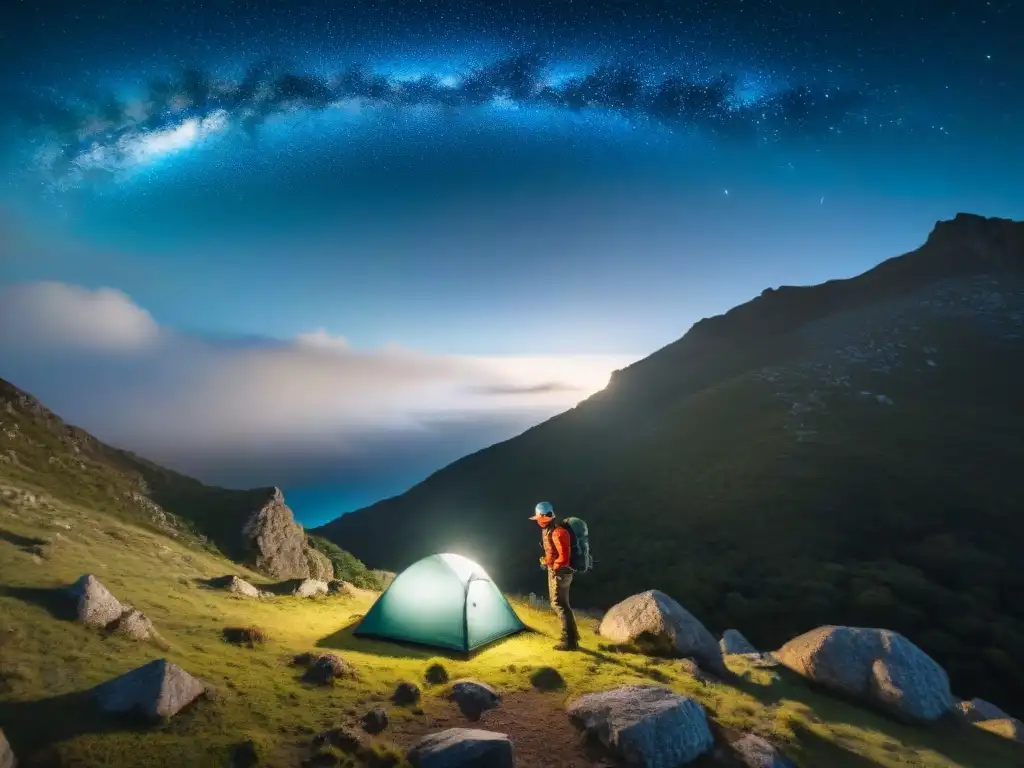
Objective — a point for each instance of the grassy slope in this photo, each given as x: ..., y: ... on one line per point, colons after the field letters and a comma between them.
x: 256, y: 694
x: 69, y: 463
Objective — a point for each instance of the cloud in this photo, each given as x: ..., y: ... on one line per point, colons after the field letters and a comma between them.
x: 529, y: 389
x: 265, y: 411
x: 98, y: 134
x: 49, y: 315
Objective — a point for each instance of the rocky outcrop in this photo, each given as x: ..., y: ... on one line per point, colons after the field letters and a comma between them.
x: 155, y: 690
x: 320, y: 566
x: 754, y: 752
x: 976, y: 710
x: 656, y: 623
x: 97, y: 606
x: 733, y: 642
x: 473, y: 697
x: 645, y: 725
x: 876, y: 665
x: 274, y: 543
x: 7, y: 759
x: 462, y: 748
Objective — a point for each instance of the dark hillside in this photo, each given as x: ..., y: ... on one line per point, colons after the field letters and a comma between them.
x: 842, y: 453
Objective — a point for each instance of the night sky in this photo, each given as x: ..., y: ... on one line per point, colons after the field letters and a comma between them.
x: 334, y: 246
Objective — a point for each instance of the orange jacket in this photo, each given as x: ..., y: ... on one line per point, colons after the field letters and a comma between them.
x: 556, y: 547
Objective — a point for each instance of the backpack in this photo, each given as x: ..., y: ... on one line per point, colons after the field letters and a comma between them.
x: 579, y: 537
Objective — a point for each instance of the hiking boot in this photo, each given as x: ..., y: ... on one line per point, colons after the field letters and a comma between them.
x: 564, y: 646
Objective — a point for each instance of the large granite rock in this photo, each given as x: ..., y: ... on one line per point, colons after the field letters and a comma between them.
x: 155, y: 690
x: 645, y: 725
x: 97, y: 606
x: 877, y: 665
x: 733, y: 642
x: 976, y: 710
x: 462, y: 748
x: 754, y: 752
x: 473, y: 697
x: 274, y: 543
x: 134, y: 624
x: 656, y: 623
x: 7, y: 759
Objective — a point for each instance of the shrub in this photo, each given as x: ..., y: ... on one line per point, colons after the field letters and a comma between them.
x: 347, y: 567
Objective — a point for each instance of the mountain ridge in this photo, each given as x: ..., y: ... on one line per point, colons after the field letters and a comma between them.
x: 817, y: 455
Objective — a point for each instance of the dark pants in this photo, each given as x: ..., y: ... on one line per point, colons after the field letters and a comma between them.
x: 558, y: 594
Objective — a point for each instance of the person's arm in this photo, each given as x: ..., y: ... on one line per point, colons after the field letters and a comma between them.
x: 560, y: 538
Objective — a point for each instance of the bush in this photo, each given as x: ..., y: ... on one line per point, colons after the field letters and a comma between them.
x: 347, y: 567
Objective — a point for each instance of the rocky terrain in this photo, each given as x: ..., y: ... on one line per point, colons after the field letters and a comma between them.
x: 842, y: 454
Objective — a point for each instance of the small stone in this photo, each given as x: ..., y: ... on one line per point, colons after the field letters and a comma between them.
x: 311, y: 588
x: 462, y: 748
x: 325, y: 668
x: 155, y: 690
x: 374, y: 721
x: 547, y: 679
x: 136, y: 625
x: 242, y: 588
x: 474, y: 698
x: 436, y: 674
x: 754, y: 752
x: 406, y: 693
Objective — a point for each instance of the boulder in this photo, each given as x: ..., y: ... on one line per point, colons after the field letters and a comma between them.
x: 242, y: 588
x: 734, y: 642
x: 976, y: 710
x: 462, y: 748
x: 406, y: 693
x: 134, y: 624
x: 374, y: 721
x: 656, y: 623
x: 1007, y: 727
x: 876, y: 665
x: 310, y: 588
x: 155, y: 690
x: 473, y: 697
x: 320, y: 566
x: 274, y: 543
x: 645, y: 725
x: 335, y: 587
x: 7, y: 759
x: 97, y: 607
x: 754, y: 752
x: 325, y: 668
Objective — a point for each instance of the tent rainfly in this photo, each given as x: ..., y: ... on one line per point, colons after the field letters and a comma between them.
x: 446, y: 601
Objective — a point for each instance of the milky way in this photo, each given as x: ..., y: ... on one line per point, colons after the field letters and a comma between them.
x: 77, y: 139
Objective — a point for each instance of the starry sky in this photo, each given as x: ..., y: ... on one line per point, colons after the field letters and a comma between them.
x: 334, y: 246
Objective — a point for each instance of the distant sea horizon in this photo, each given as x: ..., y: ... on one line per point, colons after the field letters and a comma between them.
x: 314, y: 506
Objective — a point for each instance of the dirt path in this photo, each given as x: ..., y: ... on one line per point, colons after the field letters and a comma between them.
x: 541, y: 733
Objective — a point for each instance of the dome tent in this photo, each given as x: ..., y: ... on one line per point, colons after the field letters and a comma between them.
x: 446, y: 601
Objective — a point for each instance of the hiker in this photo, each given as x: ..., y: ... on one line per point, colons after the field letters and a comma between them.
x: 556, y: 559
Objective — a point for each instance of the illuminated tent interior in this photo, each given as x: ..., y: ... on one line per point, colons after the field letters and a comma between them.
x: 446, y: 601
